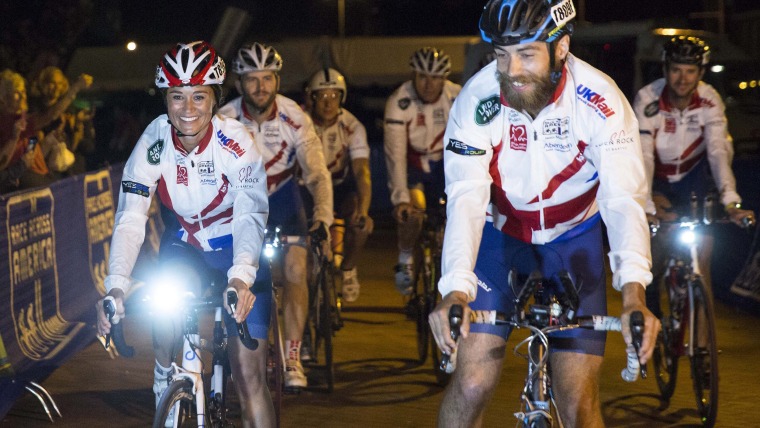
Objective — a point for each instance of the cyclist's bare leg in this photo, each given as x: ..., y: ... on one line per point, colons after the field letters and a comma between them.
x: 479, y: 361
x: 295, y: 292
x: 355, y: 238
x: 577, y: 391
x: 249, y: 373
x: 408, y: 232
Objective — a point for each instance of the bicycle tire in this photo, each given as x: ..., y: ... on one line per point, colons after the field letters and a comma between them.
x: 275, y: 365
x: 327, y: 326
x: 179, y: 392
x: 670, y: 339
x: 704, y: 361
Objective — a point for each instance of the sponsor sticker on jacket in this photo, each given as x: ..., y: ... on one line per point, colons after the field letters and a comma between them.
x: 487, y: 109
x: 463, y: 149
x: 154, y: 152
x: 135, y: 188
x: 518, y: 137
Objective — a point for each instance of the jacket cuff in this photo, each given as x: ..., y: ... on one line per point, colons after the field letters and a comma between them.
x: 463, y: 281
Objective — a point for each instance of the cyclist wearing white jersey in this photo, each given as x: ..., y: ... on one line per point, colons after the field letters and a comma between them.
x: 415, y: 120
x: 210, y: 178
x: 286, y: 137
x: 344, y: 141
x: 540, y: 147
x: 687, y: 147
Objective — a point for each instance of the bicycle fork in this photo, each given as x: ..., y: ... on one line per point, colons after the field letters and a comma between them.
x: 537, y: 397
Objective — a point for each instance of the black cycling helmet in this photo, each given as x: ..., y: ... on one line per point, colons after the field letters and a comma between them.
x: 686, y: 50
x: 513, y: 22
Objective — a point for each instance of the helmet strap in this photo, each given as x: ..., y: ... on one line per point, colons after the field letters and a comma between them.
x: 554, y: 75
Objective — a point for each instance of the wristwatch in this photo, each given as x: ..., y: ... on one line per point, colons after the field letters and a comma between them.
x: 733, y: 205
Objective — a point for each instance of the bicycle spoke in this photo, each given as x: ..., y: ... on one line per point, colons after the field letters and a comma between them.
x: 670, y: 340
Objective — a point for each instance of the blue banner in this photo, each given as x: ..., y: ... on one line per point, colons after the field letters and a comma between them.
x: 54, y: 249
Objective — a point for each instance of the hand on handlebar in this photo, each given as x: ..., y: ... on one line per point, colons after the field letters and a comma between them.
x: 742, y: 218
x: 245, y: 300
x: 634, y: 300
x: 320, y: 233
x: 103, y: 323
x: 439, y: 321
x: 403, y: 212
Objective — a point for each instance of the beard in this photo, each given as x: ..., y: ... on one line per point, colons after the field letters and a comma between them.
x: 260, y: 108
x: 532, y: 101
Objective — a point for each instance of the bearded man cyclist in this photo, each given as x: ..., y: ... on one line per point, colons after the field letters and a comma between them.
x: 415, y: 119
x: 286, y: 137
x: 210, y: 178
x: 687, y: 148
x: 540, y: 148
x: 344, y: 141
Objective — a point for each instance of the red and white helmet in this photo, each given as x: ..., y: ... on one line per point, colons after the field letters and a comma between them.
x: 257, y: 57
x: 328, y: 78
x: 431, y: 61
x: 192, y: 64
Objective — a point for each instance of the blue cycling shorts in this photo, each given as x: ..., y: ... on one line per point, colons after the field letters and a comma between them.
x: 286, y: 209
x: 433, y: 185
x: 579, y: 251
x: 212, y: 267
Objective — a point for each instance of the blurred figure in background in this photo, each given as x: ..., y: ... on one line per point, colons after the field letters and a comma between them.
x: 415, y: 119
x: 344, y: 141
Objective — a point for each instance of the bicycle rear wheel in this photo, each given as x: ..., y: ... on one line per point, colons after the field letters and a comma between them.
x: 669, y: 341
x: 177, y: 406
x: 704, y: 361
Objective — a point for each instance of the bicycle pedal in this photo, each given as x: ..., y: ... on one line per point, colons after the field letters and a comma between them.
x: 292, y: 390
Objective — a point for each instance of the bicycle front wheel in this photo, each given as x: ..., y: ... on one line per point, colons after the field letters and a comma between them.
x: 669, y: 341
x: 324, y: 325
x: 177, y: 407
x: 704, y: 361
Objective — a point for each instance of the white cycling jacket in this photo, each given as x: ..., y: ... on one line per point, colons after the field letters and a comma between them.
x: 287, y: 140
x: 413, y: 134
x: 540, y: 178
x: 674, y: 141
x: 217, y: 192
x: 342, y: 142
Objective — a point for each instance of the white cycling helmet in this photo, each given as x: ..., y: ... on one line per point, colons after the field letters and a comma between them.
x: 257, y: 57
x: 191, y: 64
x: 431, y: 61
x: 328, y: 78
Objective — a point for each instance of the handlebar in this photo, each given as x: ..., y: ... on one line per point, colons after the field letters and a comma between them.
x: 637, y: 333
x: 242, y: 327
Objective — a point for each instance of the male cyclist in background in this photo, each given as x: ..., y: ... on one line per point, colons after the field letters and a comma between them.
x: 687, y: 147
x: 415, y: 120
x: 209, y: 173
x: 286, y: 138
x: 540, y: 148
x: 344, y: 142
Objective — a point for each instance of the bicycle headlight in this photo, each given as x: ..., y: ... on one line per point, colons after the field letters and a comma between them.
x: 687, y: 236
x: 269, y: 251
x: 166, y: 293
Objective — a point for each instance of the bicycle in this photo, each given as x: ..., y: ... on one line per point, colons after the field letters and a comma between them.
x: 324, y: 318
x: 189, y: 400
x: 425, y: 296
x: 688, y: 316
x: 550, y: 313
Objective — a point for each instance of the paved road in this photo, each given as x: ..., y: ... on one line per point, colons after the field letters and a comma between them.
x: 379, y: 385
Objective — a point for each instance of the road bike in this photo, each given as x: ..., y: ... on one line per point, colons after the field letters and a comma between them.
x: 192, y: 398
x: 687, y: 314
x: 425, y: 296
x: 551, y: 312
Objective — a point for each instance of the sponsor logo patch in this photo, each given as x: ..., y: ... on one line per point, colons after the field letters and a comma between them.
x: 670, y: 125
x: 289, y: 121
x: 135, y: 188
x: 461, y: 148
x: 154, y: 152
x: 206, y: 168
x: 246, y: 178
x: 652, y: 109
x: 487, y: 109
x: 229, y: 144
x: 618, y: 141
x: 403, y: 103
x: 181, y: 175
x: 594, y: 100
x: 518, y: 137
x: 557, y: 127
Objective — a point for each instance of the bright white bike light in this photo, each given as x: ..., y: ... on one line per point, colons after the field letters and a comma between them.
x: 688, y: 236
x: 269, y: 251
x: 166, y: 293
